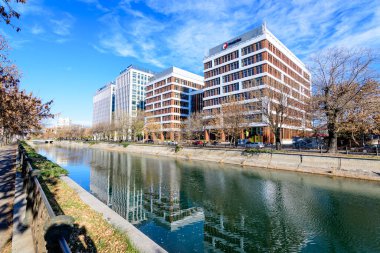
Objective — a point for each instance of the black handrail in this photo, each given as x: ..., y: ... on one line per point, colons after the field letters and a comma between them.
x: 27, y: 170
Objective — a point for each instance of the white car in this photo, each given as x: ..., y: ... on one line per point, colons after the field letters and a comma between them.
x: 172, y: 143
x: 254, y: 145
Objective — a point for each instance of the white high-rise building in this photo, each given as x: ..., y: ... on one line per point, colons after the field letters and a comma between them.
x: 104, y: 105
x: 63, y: 122
x: 130, y: 91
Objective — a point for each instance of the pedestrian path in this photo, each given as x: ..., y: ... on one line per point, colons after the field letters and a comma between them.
x: 7, y: 192
x: 14, y: 235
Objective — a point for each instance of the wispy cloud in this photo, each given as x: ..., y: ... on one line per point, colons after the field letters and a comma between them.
x: 118, y: 44
x: 100, y: 50
x: 37, y: 30
x: 164, y: 33
x: 62, y: 26
x: 95, y: 3
x: 32, y: 7
x: 16, y: 44
x: 131, y: 37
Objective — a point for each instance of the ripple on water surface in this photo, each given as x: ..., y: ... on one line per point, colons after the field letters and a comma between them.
x: 191, y: 206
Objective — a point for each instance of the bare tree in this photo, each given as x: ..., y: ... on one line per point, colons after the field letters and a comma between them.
x: 213, y: 123
x: 234, y: 116
x: 122, y: 123
x: 360, y: 117
x: 194, y: 125
x: 341, y: 78
x: 275, y: 111
x: 152, y: 127
x: 137, y: 125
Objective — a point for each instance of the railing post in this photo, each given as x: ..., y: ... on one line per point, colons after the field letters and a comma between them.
x: 49, y: 231
x: 56, y: 228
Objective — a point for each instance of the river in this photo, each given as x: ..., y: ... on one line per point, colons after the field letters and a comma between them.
x: 193, y: 206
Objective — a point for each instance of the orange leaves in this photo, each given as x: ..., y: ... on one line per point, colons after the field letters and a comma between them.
x: 20, y: 112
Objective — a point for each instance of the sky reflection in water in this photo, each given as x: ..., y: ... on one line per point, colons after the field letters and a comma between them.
x: 191, y: 206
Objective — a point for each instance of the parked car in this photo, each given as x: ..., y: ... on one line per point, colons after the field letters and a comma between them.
x: 173, y: 143
x: 197, y: 143
x: 306, y: 143
x: 149, y: 141
x: 371, y: 148
x: 254, y: 145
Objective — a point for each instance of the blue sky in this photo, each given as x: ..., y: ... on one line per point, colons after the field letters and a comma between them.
x: 69, y: 48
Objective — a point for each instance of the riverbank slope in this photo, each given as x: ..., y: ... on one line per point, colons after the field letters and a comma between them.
x: 97, y: 228
x: 359, y: 168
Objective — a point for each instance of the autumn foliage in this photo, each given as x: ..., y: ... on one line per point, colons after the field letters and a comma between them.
x: 20, y: 112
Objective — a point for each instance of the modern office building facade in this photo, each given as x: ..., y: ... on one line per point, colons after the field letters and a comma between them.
x: 249, y: 64
x: 196, y: 101
x: 103, y: 105
x: 130, y: 91
x: 168, y: 100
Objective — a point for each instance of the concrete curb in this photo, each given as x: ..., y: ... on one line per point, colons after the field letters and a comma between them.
x: 139, y: 240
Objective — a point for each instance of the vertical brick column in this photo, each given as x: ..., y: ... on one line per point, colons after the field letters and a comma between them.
x: 207, y: 135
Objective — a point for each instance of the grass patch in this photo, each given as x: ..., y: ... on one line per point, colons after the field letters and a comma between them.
x: 125, y: 144
x: 257, y: 151
x: 92, y: 142
x: 177, y: 148
x: 91, y: 233
x: 47, y: 168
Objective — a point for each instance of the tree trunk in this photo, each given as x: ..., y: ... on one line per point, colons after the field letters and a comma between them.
x: 354, y: 139
x: 332, y: 139
x: 277, y: 136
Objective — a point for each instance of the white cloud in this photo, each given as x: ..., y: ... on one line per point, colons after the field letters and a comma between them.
x: 62, y: 26
x: 131, y: 38
x: 100, y: 50
x: 119, y: 45
x: 180, y: 32
x: 31, y: 7
x: 16, y: 44
x: 95, y: 3
x: 37, y: 30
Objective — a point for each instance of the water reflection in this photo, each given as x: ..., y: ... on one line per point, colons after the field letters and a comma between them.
x: 195, y: 206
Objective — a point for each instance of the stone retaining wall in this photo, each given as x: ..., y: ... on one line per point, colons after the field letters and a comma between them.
x: 360, y: 168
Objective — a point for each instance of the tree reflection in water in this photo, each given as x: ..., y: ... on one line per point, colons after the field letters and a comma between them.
x: 191, y: 206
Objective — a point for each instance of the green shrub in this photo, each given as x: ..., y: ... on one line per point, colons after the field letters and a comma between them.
x: 257, y: 151
x: 47, y: 168
x: 177, y: 148
x: 125, y: 144
x: 92, y: 142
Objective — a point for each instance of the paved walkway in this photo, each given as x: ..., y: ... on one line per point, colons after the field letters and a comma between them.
x: 7, y: 192
x: 15, y: 236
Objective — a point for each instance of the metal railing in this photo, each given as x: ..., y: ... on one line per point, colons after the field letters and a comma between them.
x: 48, y: 229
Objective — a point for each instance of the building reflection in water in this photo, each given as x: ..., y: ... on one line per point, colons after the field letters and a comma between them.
x: 141, y: 195
x: 192, y: 206
x: 142, y: 190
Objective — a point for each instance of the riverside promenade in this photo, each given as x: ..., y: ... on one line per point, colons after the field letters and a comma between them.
x: 14, y: 236
x: 7, y: 194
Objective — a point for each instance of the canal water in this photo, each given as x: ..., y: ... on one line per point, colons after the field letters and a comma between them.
x: 192, y: 206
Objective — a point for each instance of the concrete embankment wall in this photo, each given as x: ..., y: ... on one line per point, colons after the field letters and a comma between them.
x: 360, y: 168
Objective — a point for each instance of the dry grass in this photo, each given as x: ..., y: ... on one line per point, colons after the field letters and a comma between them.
x: 7, y: 247
x: 91, y: 232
